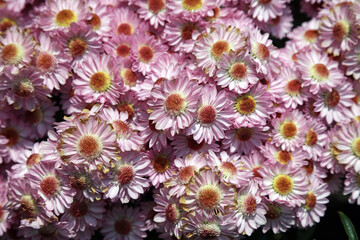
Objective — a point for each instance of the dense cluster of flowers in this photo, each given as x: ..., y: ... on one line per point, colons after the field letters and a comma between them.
x: 180, y: 117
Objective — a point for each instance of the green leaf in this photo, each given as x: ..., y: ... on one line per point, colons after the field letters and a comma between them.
x: 349, y: 227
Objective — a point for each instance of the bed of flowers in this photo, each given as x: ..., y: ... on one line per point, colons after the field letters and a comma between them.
x: 179, y: 117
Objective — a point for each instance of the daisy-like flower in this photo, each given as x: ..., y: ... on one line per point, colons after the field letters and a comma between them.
x: 338, y: 30
x: 279, y: 217
x: 51, y: 62
x: 349, y: 146
x: 211, y: 47
x: 263, y: 10
x: 237, y: 72
x: 208, y: 194
x: 119, y: 46
x: 83, y: 213
x: 175, y: 104
x: 97, y: 81
x: 126, y: 22
x: 254, y: 162
x: 318, y: 71
x: 198, y: 7
x: 251, y: 108
x: 52, y: 187
x: 169, y: 214
x: 352, y: 62
x: 352, y: 186
x: 306, y: 35
x: 126, y: 178
x: 203, y: 225
x: 60, y: 15
x: 127, y: 138
x: 187, y: 167
x: 124, y: 223
x: 289, y: 130
x: 147, y: 51
x: 91, y: 141
x: 315, y: 138
x: 161, y: 165
x: 27, y: 160
x: 100, y: 20
x: 333, y: 102
x: 314, y: 207
x: 16, y: 48
x: 213, y: 116
x: 284, y: 184
x: 154, y: 11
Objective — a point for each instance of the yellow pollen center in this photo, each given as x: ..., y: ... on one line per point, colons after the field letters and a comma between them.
x: 128, y: 76
x: 293, y: 87
x: 6, y: 23
x: 310, y: 201
x: 77, y: 46
x: 186, y: 174
x: 100, y: 81
x: 125, y: 28
x: 95, y: 22
x: 208, y: 196
x: 356, y: 146
x: 12, y: 53
x: 245, y: 104
x: 288, y: 130
x: 145, y: 53
x: 262, y: 51
x: 219, y: 48
x: 192, y: 5
x: 332, y: 98
x: 89, y: 146
x: 311, y: 35
x: 311, y: 138
x: 341, y: 30
x: 123, y: 50
x: 187, y: 30
x: 238, y: 71
x: 156, y: 6
x: 283, y: 157
x: 160, y: 163
x: 175, y: 104
x: 244, y: 134
x: 45, y: 62
x: 65, y: 17
x: 283, y: 184
x: 23, y: 88
x: 319, y: 72
x: 228, y: 169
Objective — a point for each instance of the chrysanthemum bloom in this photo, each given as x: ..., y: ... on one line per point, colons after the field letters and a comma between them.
x: 126, y: 178
x: 80, y: 41
x: 280, y: 26
x: 9, y: 19
x: 60, y: 15
x: 16, y: 48
x: 123, y: 223
x: 315, y: 138
x: 338, y: 30
x: 230, y: 168
x: 131, y: 80
x: 279, y: 217
x: 249, y: 209
x: 332, y: 103
x: 349, y: 146
x: 83, y: 213
x: 289, y: 130
x: 126, y: 22
x: 314, y: 207
x: 119, y: 46
x: 91, y: 141
x: 51, y: 62
x: 263, y: 10
x: 169, y: 214
x: 146, y: 50
x: 352, y: 62
x: 274, y: 154
x: 284, y: 184
x: 161, y: 165
x: 203, y: 225
x: 130, y: 103
x: 306, y: 35
x: 207, y: 194
x: 245, y: 139
x: 318, y: 71
x: 212, y: 45
x: 251, y: 108
x: 154, y: 11
x: 237, y: 72
x: 352, y: 186
x: 213, y: 116
x: 101, y: 19
x: 25, y: 89
x: 26, y: 160
x: 196, y: 7
x: 53, y: 187
x: 187, y: 167
x: 127, y: 138
x: 175, y: 105
x: 254, y: 161
x: 179, y: 32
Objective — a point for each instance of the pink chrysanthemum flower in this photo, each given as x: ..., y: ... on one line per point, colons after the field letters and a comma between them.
x: 263, y: 10
x: 306, y: 35
x: 208, y: 194
x: 249, y: 209
x: 51, y: 62
x: 127, y: 137
x: 284, y: 184
x: 314, y: 207
x: 198, y: 7
x: 289, y: 130
x: 203, y: 225
x: 251, y: 108
x: 279, y: 217
x: 318, y: 71
x: 131, y: 104
x: 288, y: 55
x: 213, y: 116
x: 126, y: 178
x: 124, y: 223
x: 187, y: 167
x: 154, y: 11
x: 53, y: 187
x: 280, y: 26
x: 175, y: 104
x: 254, y: 161
x: 315, y: 138
x: 349, y: 146
x: 211, y: 47
x: 26, y: 160
x: 169, y: 214
x: 352, y: 62
x: 91, y: 142
x: 119, y: 46
x: 237, y: 72
x: 83, y: 213
x: 60, y: 15
x: 352, y: 186
x: 332, y: 103
x: 161, y: 165
x: 101, y: 19
x: 338, y: 31
x: 245, y: 139
x: 126, y: 22
x: 80, y: 41
x: 16, y: 49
